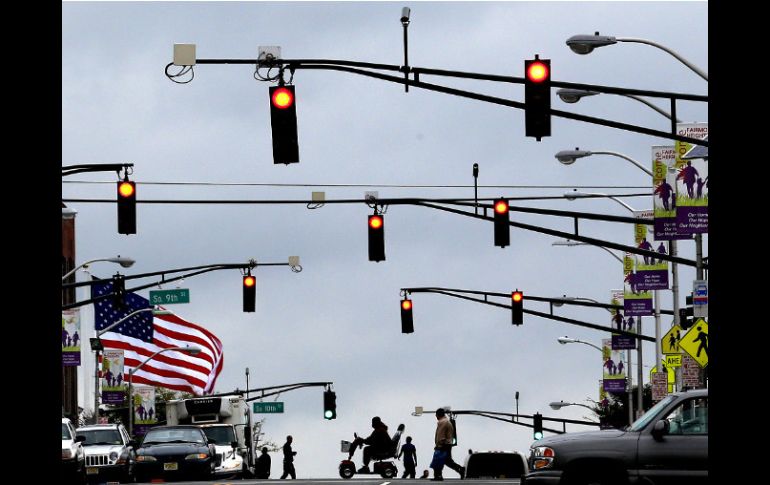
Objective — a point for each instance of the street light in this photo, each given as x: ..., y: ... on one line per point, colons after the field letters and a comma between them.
x: 567, y: 340
x: 569, y: 242
x: 96, y: 346
x: 572, y: 96
x: 560, y: 404
x: 191, y: 350
x: 585, y: 44
x: 121, y: 260
x: 568, y: 157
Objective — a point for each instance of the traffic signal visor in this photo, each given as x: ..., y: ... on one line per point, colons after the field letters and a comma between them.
x: 517, y: 296
x: 501, y: 206
x: 249, y: 281
x: 375, y: 222
x: 406, y: 304
x: 126, y: 189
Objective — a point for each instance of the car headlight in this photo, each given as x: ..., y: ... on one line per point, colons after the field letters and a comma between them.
x: 542, y: 457
x: 196, y: 456
x: 66, y: 454
x: 146, y: 458
x: 113, y: 456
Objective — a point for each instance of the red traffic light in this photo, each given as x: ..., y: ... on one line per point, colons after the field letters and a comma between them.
x: 517, y: 296
x: 375, y: 222
x: 537, y: 72
x: 282, y: 98
x: 126, y: 189
x: 501, y: 206
x: 249, y: 281
x: 406, y: 304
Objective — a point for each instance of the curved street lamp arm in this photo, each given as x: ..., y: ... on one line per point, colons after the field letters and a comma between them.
x: 639, y: 165
x: 656, y: 108
x: 681, y: 59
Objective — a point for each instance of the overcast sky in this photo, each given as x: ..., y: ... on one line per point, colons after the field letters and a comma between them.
x: 338, y: 320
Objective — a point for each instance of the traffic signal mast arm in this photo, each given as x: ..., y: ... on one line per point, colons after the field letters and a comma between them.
x: 604, y: 328
x: 430, y: 203
x: 509, y: 418
x: 275, y: 389
x: 354, y: 67
x: 206, y: 269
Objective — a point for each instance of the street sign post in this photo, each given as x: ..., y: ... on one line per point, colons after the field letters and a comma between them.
x: 268, y: 407
x: 168, y: 297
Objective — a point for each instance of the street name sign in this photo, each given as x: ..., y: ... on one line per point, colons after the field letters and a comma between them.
x: 268, y: 407
x: 167, y: 297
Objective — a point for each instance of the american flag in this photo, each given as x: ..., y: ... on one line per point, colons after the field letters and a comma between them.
x: 144, y: 334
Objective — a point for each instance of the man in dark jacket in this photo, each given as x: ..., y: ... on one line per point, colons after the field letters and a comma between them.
x: 263, y: 464
x: 288, y: 459
x: 379, y: 443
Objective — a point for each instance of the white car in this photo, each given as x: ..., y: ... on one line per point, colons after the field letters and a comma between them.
x: 109, y: 452
x: 229, y: 459
x: 72, y: 455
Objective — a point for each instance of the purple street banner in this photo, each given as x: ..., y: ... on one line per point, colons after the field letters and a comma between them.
x: 621, y: 342
x: 70, y: 337
x: 113, y: 380
x: 664, y: 193
x: 636, y: 302
x: 692, y: 183
x: 144, y: 409
x: 614, y: 369
x: 651, y: 273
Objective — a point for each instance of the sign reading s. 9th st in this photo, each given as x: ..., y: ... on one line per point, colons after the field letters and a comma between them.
x: 168, y: 297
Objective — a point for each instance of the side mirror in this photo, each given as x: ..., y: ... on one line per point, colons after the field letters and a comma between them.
x: 234, y: 444
x: 80, y: 438
x: 659, y: 429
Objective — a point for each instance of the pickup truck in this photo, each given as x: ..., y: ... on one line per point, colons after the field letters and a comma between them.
x: 667, y: 445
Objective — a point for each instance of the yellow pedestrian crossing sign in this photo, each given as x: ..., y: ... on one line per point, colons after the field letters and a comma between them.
x: 670, y: 342
x: 696, y: 342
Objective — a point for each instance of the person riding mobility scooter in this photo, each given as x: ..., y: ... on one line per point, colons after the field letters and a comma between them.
x: 381, y: 447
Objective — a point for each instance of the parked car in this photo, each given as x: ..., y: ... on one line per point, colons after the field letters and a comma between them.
x: 170, y: 452
x: 667, y: 445
x: 495, y: 464
x: 73, y: 462
x: 109, y: 452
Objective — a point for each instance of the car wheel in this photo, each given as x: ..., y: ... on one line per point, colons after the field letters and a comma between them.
x: 389, y: 472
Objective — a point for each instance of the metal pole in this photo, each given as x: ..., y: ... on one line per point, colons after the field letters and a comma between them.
x: 406, y: 59
x: 96, y: 388
x: 130, y: 403
x: 672, y: 250
x: 630, y: 387
x: 247, y: 382
x: 656, y: 296
x: 699, y: 256
x: 640, y: 373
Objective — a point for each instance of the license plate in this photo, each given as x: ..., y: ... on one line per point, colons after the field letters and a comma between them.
x: 171, y: 466
x: 92, y: 470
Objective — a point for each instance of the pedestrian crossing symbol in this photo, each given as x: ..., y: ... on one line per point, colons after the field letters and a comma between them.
x: 670, y: 342
x: 696, y: 342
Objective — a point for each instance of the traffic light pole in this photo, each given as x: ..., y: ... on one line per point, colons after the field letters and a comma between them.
x: 205, y: 269
x: 355, y: 67
x: 571, y: 321
x: 276, y: 390
x: 509, y: 418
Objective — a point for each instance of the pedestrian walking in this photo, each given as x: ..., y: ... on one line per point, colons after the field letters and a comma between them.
x: 263, y: 465
x: 288, y: 459
x: 410, y: 458
x: 443, y: 440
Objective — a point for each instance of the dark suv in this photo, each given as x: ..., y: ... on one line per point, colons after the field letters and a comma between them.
x: 667, y: 445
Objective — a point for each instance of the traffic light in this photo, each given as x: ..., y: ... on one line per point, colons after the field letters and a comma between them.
x: 407, y: 323
x: 686, y: 317
x: 283, y: 120
x: 537, y: 423
x: 118, y: 290
x: 330, y: 405
x: 537, y: 97
x: 502, y: 226
x: 126, y: 199
x: 249, y: 293
x: 517, y: 307
x: 376, y: 238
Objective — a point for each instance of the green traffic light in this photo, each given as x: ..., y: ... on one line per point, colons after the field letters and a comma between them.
x: 328, y: 414
x: 539, y: 435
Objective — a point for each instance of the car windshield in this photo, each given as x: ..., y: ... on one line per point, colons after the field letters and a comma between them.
x: 174, y: 435
x: 101, y: 437
x: 640, y: 423
x: 65, y: 432
x: 222, y: 435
